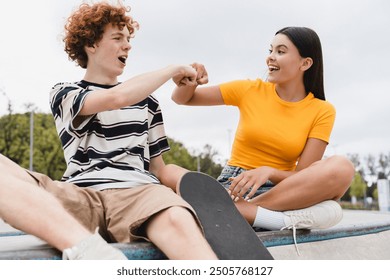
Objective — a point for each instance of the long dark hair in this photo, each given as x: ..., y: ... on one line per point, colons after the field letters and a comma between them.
x: 309, y: 45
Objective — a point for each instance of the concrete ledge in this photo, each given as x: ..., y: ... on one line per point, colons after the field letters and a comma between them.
x: 28, y: 247
x: 361, y: 235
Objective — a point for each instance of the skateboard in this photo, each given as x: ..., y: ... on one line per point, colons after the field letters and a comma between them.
x: 228, y: 233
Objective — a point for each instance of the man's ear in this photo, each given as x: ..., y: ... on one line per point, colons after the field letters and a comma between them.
x: 90, y: 49
x: 307, y: 63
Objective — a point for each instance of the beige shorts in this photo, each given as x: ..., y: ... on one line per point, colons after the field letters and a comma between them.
x: 119, y: 213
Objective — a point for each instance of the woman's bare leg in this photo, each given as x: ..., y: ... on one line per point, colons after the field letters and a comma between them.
x: 327, y: 179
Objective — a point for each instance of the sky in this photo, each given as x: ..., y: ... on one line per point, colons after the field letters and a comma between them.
x: 231, y: 38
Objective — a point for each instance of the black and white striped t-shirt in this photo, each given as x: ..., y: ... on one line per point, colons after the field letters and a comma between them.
x: 110, y: 149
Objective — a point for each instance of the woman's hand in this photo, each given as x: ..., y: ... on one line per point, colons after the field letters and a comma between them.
x: 250, y: 180
x: 202, y: 76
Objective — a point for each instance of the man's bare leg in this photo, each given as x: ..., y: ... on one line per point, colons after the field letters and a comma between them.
x: 27, y: 207
x: 175, y: 232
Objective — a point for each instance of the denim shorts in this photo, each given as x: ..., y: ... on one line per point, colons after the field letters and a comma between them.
x: 232, y: 171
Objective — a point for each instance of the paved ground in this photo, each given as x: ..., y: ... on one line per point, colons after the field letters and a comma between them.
x: 358, y: 217
x: 375, y: 246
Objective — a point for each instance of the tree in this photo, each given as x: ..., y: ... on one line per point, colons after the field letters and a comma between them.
x: 15, y: 142
x: 179, y: 155
x: 358, y: 186
x: 207, y: 164
x: 371, y: 165
x: 14, y: 138
x: 48, y: 153
x: 384, y: 165
x: 371, y: 168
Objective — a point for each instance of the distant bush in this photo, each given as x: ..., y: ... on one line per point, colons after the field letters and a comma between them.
x: 359, y: 205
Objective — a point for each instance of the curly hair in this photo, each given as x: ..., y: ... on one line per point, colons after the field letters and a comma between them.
x: 85, y: 27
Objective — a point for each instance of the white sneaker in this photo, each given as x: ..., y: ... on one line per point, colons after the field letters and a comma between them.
x: 319, y: 216
x: 93, y: 248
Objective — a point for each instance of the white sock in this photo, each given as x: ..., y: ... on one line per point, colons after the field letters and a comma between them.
x: 268, y: 219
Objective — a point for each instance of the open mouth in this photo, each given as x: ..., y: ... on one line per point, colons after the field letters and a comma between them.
x: 122, y: 59
x: 272, y: 69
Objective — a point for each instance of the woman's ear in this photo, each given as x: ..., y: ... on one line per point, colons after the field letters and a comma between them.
x: 307, y: 63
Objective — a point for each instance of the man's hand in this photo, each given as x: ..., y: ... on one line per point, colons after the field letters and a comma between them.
x: 187, y: 76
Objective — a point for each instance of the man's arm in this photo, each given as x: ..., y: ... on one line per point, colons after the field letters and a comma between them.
x: 168, y: 174
x: 135, y: 89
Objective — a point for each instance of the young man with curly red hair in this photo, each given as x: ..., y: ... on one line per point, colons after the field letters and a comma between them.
x: 112, y: 133
x: 113, y: 138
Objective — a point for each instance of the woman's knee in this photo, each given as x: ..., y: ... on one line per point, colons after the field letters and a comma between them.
x: 343, y: 167
x: 341, y: 171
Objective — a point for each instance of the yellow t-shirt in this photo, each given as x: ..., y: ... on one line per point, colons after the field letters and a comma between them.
x: 273, y: 132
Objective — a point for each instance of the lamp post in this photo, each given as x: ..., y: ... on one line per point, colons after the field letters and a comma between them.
x: 31, y: 140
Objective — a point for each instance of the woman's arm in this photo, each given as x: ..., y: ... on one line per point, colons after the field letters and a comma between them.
x: 192, y: 95
x: 253, y: 179
x: 205, y: 96
x: 314, y: 151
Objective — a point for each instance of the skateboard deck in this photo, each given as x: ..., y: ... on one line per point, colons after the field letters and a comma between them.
x: 228, y: 233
